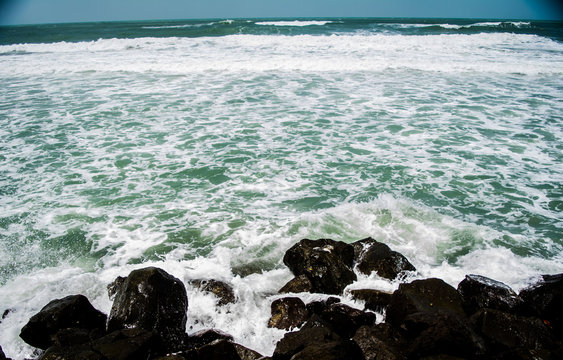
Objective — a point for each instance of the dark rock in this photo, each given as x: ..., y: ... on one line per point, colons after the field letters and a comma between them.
x: 546, y: 299
x: 81, y: 352
x: 442, y: 333
x: 153, y: 300
x: 171, y: 357
x: 73, y: 311
x: 478, y: 292
x: 2, y: 355
x: 379, y: 342
x: 527, y: 354
x: 345, y: 320
x: 294, y: 342
x: 375, y: 300
x: 71, y: 336
x: 317, y: 307
x: 331, y: 350
x: 378, y: 257
x: 127, y: 344
x: 326, y: 263
x: 429, y: 295
x: 288, y: 313
x: 298, y: 284
x: 222, y: 290
x: 204, y: 337
x: 114, y: 287
x: 506, y: 331
x: 226, y: 350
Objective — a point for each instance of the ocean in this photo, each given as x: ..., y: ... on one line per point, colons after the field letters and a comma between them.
x: 209, y: 147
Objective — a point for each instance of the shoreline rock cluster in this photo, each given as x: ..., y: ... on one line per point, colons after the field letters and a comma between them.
x: 424, y: 319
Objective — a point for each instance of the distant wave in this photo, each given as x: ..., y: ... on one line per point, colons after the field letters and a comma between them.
x: 293, y: 23
x: 517, y: 24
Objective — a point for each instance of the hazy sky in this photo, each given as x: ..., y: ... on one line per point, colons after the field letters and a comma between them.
x: 53, y: 11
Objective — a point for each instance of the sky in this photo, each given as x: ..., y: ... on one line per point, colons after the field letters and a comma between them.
x: 13, y: 12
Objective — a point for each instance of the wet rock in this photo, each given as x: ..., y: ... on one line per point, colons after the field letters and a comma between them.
x: 288, y: 313
x: 153, y: 300
x: 317, y: 307
x: 204, y: 337
x: 546, y: 299
x: 127, y: 344
x: 114, y: 286
x: 223, y: 291
x: 442, y: 333
x: 315, y: 343
x: 82, y: 352
x: 72, y: 336
x: 226, y: 350
x: 74, y: 311
x: 345, y: 320
x: 505, y: 331
x: 2, y: 355
x: 298, y: 284
x: 379, y: 342
x: 326, y: 263
x: 424, y: 296
x: 378, y: 257
x: 376, y: 300
x: 478, y: 292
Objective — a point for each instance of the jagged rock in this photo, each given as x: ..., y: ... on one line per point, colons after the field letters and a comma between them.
x: 153, y: 300
x: 80, y: 352
x: 127, y: 344
x: 288, y: 313
x: 326, y: 263
x: 74, y: 311
x: 345, y: 320
x: 508, y: 331
x: 204, y: 337
x: 378, y: 257
x: 226, y: 350
x: 317, y: 307
x: 298, y: 284
x: 429, y: 295
x: 379, y: 342
x: 376, y: 300
x: 315, y: 343
x: 546, y: 299
x: 442, y: 333
x: 478, y: 292
x: 222, y: 290
x: 2, y: 355
x: 114, y: 286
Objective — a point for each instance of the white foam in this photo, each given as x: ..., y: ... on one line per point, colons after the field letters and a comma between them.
x: 293, y: 23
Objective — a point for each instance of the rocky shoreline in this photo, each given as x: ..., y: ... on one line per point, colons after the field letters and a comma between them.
x: 424, y: 319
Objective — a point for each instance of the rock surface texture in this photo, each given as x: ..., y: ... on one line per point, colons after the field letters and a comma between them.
x: 424, y: 318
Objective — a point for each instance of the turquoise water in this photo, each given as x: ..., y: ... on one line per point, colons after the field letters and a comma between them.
x: 209, y: 147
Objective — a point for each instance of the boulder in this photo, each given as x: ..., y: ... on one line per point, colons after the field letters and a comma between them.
x: 153, y: 300
x: 81, y: 352
x: 546, y: 299
x: 127, y: 344
x: 326, y: 263
x: 223, y: 291
x: 378, y: 257
x: 74, y: 311
x: 478, y: 292
x: 315, y: 343
x: 442, y: 333
x: 345, y: 320
x: 375, y: 300
x: 298, y: 284
x: 380, y: 342
x: 505, y: 331
x: 288, y: 313
x: 423, y: 296
x: 226, y: 350
x: 204, y: 337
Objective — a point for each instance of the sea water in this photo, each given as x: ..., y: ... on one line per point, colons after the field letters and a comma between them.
x: 208, y: 148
